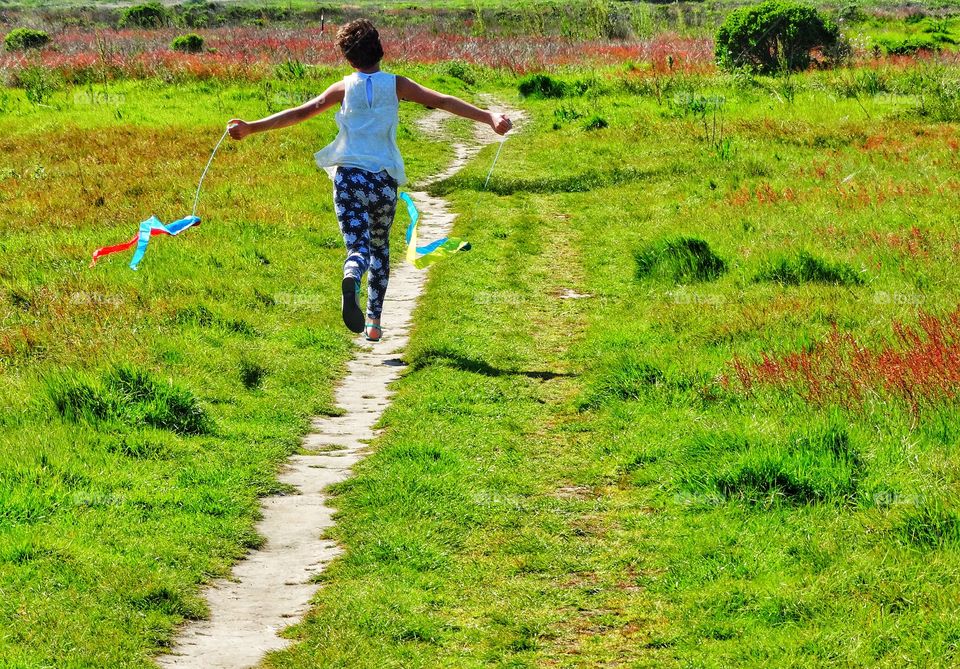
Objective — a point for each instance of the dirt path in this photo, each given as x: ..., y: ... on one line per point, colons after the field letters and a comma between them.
x: 271, y: 589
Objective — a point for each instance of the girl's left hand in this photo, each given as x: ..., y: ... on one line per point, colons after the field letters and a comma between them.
x: 500, y: 123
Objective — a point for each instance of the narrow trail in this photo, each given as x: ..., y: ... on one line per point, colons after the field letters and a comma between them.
x: 272, y: 588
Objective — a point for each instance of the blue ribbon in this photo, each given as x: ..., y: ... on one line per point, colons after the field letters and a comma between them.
x: 153, y: 226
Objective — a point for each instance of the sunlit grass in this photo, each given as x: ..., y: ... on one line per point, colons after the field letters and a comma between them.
x: 565, y: 477
x: 569, y: 482
x: 143, y: 413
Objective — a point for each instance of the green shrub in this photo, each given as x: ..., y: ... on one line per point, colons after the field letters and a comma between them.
x: 851, y: 12
x: 461, y: 70
x: 38, y: 82
x: 147, y: 15
x: 772, y: 36
x: 291, y: 70
x: 905, y: 46
x: 190, y: 43
x: 21, y: 39
x: 196, y: 14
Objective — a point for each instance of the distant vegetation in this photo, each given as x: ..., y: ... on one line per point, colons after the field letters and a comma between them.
x: 774, y: 35
x: 191, y: 43
x: 22, y: 39
x: 149, y: 15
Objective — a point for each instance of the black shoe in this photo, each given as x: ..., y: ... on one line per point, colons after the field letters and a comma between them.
x: 352, y: 315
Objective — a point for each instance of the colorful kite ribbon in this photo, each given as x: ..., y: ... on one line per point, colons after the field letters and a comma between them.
x: 150, y: 227
x: 424, y: 256
x: 153, y: 226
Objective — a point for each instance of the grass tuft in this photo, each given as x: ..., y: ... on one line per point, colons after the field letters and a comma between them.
x: 625, y: 378
x: 543, y: 86
x: 821, y: 467
x: 77, y: 397
x: 807, y: 268
x: 681, y: 259
x: 170, y: 602
x: 203, y: 317
x: 251, y: 374
x: 573, y: 183
x: 128, y: 395
x: 930, y: 524
x: 596, y: 122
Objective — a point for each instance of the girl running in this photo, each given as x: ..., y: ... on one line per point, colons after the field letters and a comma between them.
x: 364, y: 162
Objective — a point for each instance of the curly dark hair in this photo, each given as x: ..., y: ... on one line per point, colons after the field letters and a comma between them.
x: 359, y: 42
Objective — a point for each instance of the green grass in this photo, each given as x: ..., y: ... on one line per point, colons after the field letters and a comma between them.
x: 142, y: 414
x: 560, y: 481
x: 563, y: 482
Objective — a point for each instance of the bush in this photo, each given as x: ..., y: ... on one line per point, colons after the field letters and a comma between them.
x: 895, y: 46
x: 38, y: 82
x: 21, y: 39
x: 291, y: 70
x: 191, y: 43
x: 147, y: 15
x: 461, y: 70
x: 196, y: 14
x: 851, y: 12
x: 772, y: 36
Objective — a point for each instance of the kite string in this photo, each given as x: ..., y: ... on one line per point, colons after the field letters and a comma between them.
x: 196, y: 198
x: 495, y: 158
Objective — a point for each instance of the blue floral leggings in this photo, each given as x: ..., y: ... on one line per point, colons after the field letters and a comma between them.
x: 365, y: 204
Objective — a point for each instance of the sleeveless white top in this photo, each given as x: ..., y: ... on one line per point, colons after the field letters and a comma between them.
x: 368, y: 121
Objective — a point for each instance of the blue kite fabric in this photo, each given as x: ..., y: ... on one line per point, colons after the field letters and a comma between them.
x: 423, y: 256
x: 150, y: 227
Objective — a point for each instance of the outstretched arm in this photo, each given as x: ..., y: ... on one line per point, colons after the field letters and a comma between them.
x: 330, y: 97
x: 414, y: 92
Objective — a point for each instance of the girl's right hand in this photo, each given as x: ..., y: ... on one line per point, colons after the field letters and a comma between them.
x: 238, y: 129
x: 500, y: 123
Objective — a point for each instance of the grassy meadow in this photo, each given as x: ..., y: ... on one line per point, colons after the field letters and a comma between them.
x: 588, y: 482
x: 690, y: 401
x: 143, y: 413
